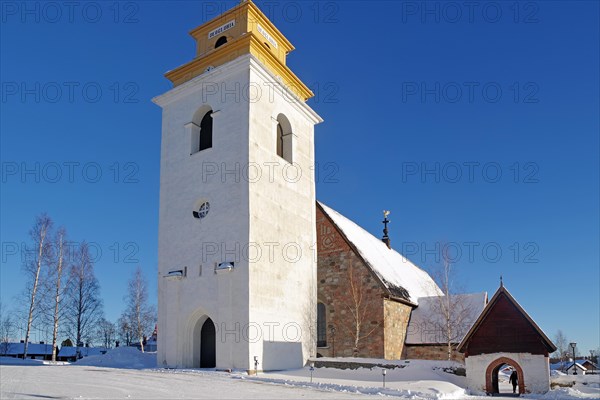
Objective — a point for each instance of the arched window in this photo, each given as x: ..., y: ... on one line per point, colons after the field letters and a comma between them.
x: 321, y: 325
x: 279, y: 140
x: 206, y: 132
x: 200, y: 129
x: 284, y: 137
x: 221, y: 41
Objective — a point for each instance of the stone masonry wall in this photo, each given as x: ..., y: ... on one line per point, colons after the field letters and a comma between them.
x: 396, y: 316
x: 338, y: 267
x: 431, y: 352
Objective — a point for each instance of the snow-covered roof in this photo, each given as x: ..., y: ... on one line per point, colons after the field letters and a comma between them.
x: 71, y: 351
x: 581, y: 367
x: 560, y: 365
x: 583, y: 361
x: 426, y: 322
x: 590, y: 362
x: 13, y: 349
x: 401, y: 277
x: 564, y: 365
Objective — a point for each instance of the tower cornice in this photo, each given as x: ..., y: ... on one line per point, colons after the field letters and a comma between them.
x: 241, y: 62
x: 249, y: 43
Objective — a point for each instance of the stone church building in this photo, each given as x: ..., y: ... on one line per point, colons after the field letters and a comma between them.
x: 239, y: 286
x: 365, y: 292
x: 372, y: 301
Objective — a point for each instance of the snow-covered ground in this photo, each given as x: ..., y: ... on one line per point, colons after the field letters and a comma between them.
x: 128, y: 373
x: 412, y: 379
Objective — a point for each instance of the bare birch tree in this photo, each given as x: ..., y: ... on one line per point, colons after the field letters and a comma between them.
x: 106, y: 332
x: 357, y: 307
x: 562, y: 347
x: 452, y: 312
x: 139, y: 314
x: 124, y: 332
x: 39, y: 233
x: 7, y: 330
x: 83, y: 302
x: 56, y: 272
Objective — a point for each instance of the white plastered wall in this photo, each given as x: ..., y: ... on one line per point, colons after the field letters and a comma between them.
x: 185, y: 241
x: 258, y: 306
x: 282, y: 224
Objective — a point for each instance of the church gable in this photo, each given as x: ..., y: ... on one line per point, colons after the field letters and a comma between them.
x: 401, y: 279
x: 337, y: 260
x: 332, y: 244
x: 504, y: 326
x: 329, y: 238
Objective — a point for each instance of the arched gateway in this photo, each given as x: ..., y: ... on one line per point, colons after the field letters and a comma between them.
x: 505, y: 335
x: 492, y: 384
x: 202, y: 350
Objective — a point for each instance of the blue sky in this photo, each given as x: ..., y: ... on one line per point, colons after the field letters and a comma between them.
x: 477, y: 127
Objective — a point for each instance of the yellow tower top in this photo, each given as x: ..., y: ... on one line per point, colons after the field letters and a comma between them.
x: 242, y: 30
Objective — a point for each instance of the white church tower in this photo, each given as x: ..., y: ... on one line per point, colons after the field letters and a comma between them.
x: 237, y: 257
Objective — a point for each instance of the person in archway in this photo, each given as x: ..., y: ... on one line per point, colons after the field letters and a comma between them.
x: 514, y: 379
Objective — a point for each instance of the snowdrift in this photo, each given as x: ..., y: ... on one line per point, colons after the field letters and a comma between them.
x: 19, y: 361
x: 120, y: 357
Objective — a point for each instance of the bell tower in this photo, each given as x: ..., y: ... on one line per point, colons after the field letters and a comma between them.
x: 236, y: 253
